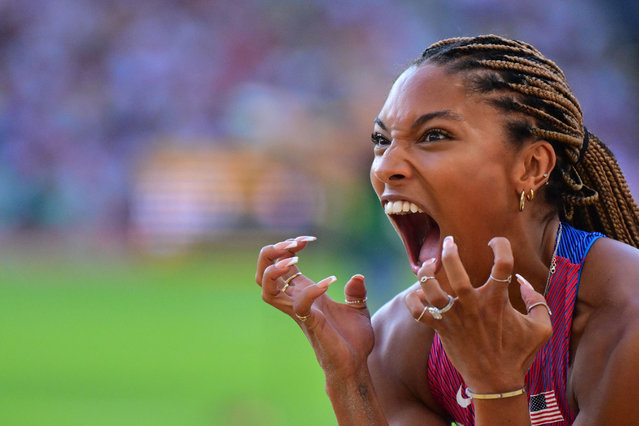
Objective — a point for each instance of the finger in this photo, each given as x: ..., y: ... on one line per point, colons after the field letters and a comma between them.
x: 540, y: 312
x: 418, y: 307
x: 455, y: 271
x: 434, y: 295
x: 500, y: 274
x: 355, y: 292
x: 270, y: 254
x: 271, y: 284
x: 303, y: 301
x: 415, y: 305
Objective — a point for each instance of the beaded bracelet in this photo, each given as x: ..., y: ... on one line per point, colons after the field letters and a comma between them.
x: 474, y: 395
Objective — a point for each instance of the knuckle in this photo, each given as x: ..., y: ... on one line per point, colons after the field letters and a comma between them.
x: 266, y: 297
x: 448, y: 255
x: 504, y: 262
x: 464, y: 291
x: 268, y: 273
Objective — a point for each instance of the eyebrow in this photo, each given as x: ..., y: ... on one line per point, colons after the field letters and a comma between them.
x: 380, y: 123
x: 445, y: 114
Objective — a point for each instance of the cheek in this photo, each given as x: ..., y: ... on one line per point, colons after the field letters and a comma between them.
x: 484, y: 184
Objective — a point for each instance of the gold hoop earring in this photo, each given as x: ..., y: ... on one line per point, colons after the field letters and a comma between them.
x: 530, y: 195
x: 522, y: 200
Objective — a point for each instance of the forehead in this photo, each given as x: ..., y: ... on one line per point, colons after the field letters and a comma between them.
x: 423, y: 89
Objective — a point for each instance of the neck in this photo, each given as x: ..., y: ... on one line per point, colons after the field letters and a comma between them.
x: 533, y: 255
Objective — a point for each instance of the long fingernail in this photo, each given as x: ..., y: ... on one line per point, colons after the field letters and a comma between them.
x: 327, y: 281
x: 285, y: 245
x: 448, y: 241
x: 306, y: 238
x: 522, y: 281
x: 284, y: 263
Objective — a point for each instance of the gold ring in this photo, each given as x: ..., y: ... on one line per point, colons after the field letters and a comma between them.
x: 303, y: 318
x: 507, y: 280
x: 289, y: 279
x: 529, y: 308
x: 356, y: 301
x: 425, y: 279
x: 283, y: 289
x: 418, y: 319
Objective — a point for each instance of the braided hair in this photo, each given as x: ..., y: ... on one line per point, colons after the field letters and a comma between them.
x: 587, y: 186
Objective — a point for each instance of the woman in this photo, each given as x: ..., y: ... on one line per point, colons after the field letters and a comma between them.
x: 486, y: 171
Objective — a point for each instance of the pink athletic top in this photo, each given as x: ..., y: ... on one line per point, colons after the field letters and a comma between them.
x: 546, y: 378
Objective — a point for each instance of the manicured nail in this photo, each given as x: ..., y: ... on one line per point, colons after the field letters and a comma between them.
x: 285, y: 245
x: 306, y: 238
x: 448, y: 241
x: 285, y: 263
x: 327, y: 281
x: 522, y: 281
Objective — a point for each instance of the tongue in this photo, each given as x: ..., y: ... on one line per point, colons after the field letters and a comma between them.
x: 430, y: 247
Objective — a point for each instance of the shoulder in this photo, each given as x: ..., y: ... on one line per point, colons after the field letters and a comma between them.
x: 399, y: 360
x: 606, y: 359
x: 610, y: 274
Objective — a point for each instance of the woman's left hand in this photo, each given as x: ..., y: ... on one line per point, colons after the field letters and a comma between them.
x: 489, y: 342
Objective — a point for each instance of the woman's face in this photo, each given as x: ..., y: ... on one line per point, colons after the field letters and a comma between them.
x: 444, y: 153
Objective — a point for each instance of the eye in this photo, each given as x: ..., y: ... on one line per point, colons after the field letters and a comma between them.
x: 435, y: 135
x: 379, y: 140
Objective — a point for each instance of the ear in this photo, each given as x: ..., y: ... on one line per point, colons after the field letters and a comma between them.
x: 534, y: 164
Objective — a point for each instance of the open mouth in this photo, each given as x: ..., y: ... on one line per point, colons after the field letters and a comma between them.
x: 419, y: 231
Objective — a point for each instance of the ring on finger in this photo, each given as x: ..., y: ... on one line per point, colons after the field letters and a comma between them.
x: 425, y: 279
x: 529, y: 308
x: 303, y: 318
x: 283, y: 289
x: 419, y: 318
x: 437, y: 313
x: 507, y: 280
x: 356, y: 301
x: 289, y: 279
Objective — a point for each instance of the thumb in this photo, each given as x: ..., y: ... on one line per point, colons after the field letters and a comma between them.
x: 355, y: 292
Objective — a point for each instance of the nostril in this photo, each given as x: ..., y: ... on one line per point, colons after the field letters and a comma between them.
x: 397, y: 176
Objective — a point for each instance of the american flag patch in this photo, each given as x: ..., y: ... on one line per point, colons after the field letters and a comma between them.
x: 544, y: 409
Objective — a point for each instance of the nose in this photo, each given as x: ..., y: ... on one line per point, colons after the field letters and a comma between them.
x: 391, y: 165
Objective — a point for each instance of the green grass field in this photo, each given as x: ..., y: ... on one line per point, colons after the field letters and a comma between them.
x: 176, y: 342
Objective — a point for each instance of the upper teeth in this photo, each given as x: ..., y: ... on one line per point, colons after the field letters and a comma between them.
x: 401, y: 207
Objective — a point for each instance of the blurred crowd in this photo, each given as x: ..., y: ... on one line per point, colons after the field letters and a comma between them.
x: 279, y: 96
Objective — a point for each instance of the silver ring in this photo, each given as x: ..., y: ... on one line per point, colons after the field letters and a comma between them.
x: 507, y: 280
x: 418, y: 319
x: 356, y: 301
x: 437, y: 313
x: 425, y: 279
x: 529, y: 308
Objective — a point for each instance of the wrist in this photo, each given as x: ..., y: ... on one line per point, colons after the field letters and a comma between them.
x: 340, y: 378
x: 495, y: 387
x: 498, y: 395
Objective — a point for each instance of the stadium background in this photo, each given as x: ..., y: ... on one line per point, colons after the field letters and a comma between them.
x: 149, y: 148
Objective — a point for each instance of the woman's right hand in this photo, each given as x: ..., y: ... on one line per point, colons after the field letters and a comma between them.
x: 340, y: 333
